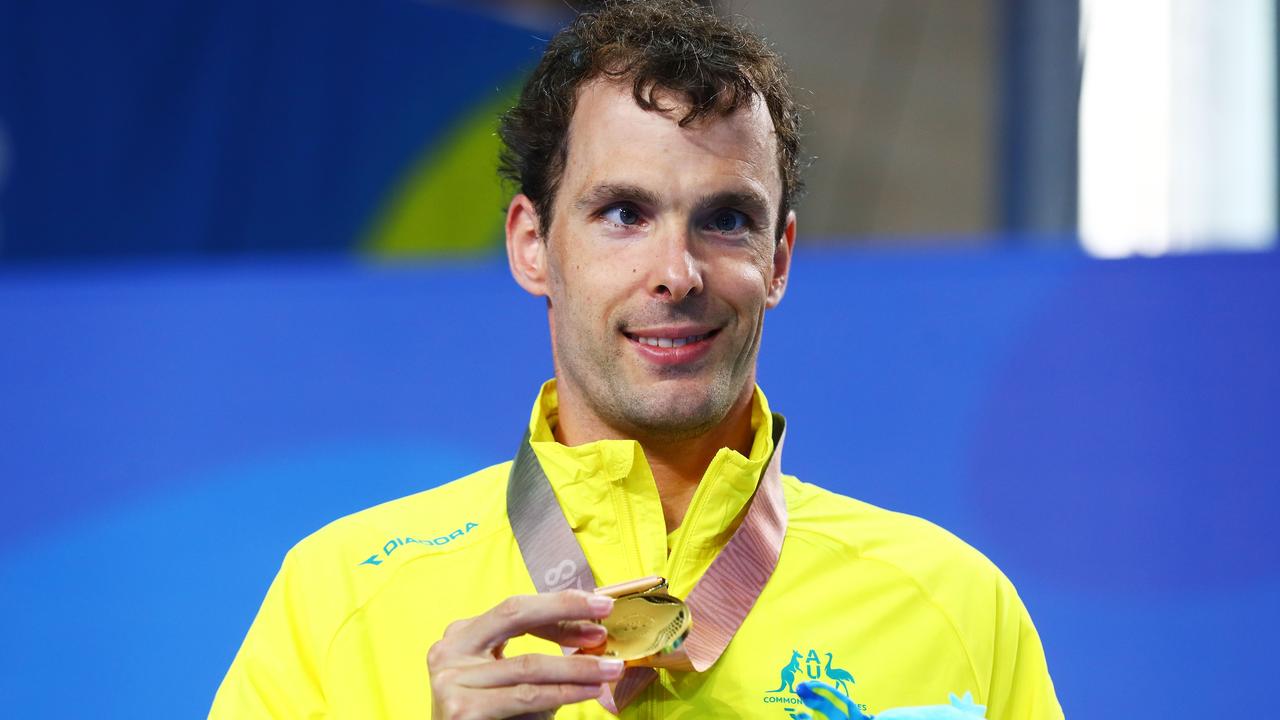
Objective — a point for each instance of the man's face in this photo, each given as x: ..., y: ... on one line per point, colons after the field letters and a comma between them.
x: 661, y: 260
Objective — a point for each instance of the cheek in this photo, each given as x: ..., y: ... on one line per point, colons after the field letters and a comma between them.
x: 746, y: 285
x: 581, y: 299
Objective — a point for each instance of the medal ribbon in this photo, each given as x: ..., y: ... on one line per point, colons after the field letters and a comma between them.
x: 718, y: 603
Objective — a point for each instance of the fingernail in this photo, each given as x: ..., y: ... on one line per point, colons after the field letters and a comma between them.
x: 611, y: 667
x: 600, y: 604
x: 594, y: 630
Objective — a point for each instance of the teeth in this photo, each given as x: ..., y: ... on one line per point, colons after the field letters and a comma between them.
x: 670, y: 342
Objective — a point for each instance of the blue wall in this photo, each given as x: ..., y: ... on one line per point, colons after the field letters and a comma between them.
x: 164, y: 128
x: 1105, y: 431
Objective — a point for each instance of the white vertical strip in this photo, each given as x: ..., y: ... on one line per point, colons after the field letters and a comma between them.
x: 1177, y: 126
x: 1124, y: 127
x: 1224, y: 182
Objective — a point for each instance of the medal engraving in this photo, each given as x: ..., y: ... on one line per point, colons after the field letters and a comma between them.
x: 646, y: 622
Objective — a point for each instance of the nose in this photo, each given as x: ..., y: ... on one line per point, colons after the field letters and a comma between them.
x: 675, y: 273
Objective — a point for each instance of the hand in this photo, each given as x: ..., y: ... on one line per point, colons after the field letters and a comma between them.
x: 470, y: 678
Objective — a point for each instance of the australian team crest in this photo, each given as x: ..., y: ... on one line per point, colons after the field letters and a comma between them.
x: 810, y: 686
x: 803, y: 667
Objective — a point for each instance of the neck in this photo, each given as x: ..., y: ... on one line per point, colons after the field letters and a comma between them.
x: 678, y: 465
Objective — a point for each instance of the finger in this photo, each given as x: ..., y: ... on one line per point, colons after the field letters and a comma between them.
x: 538, y: 669
x: 519, y: 614
x: 529, y: 698
x: 573, y: 633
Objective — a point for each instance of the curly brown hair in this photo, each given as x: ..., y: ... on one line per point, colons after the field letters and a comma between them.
x: 672, y: 46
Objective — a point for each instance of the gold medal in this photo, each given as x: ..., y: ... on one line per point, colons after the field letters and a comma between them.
x: 646, y: 622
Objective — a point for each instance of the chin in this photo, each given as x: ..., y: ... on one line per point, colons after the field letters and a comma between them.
x: 677, y: 413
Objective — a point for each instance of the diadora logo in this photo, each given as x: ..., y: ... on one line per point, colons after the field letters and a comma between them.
x: 398, y: 542
x: 812, y: 665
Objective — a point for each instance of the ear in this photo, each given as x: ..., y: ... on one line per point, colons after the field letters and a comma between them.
x: 782, y: 262
x: 526, y: 251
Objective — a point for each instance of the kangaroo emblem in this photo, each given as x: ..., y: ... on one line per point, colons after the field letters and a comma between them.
x: 789, y: 674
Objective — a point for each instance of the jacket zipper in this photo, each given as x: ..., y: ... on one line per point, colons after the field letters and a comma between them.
x: 622, y: 505
x: 677, y: 560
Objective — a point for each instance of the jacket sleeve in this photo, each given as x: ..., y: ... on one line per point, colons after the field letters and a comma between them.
x: 277, y: 672
x: 1021, y: 688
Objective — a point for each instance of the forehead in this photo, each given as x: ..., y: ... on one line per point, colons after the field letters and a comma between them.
x: 612, y: 139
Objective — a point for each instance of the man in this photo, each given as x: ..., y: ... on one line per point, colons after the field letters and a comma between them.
x: 656, y: 152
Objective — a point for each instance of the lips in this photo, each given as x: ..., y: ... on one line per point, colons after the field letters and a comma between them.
x: 666, y: 342
x: 672, y: 345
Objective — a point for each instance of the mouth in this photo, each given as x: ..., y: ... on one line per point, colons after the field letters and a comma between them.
x: 672, y: 345
x: 658, y: 338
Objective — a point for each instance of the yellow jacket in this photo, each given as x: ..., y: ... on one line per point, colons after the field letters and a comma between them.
x: 887, y: 607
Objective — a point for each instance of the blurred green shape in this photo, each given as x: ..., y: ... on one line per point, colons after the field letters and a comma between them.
x: 450, y: 203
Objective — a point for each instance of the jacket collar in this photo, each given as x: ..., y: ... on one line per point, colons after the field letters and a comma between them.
x: 608, y: 495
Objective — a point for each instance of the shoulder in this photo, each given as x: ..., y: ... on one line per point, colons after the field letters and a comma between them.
x: 332, y: 574
x: 977, y: 600
x: 440, y: 520
x: 869, y: 529
x: 945, y: 568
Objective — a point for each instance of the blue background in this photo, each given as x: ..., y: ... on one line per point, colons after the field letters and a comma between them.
x: 196, y: 370
x: 155, y: 128
x: 1104, y: 431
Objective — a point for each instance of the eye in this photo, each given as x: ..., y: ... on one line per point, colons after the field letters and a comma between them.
x: 622, y: 215
x: 729, y: 221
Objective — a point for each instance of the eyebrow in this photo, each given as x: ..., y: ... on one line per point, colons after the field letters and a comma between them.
x: 612, y: 193
x: 750, y: 202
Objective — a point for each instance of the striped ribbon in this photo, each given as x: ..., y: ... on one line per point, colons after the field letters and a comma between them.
x: 718, y: 603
